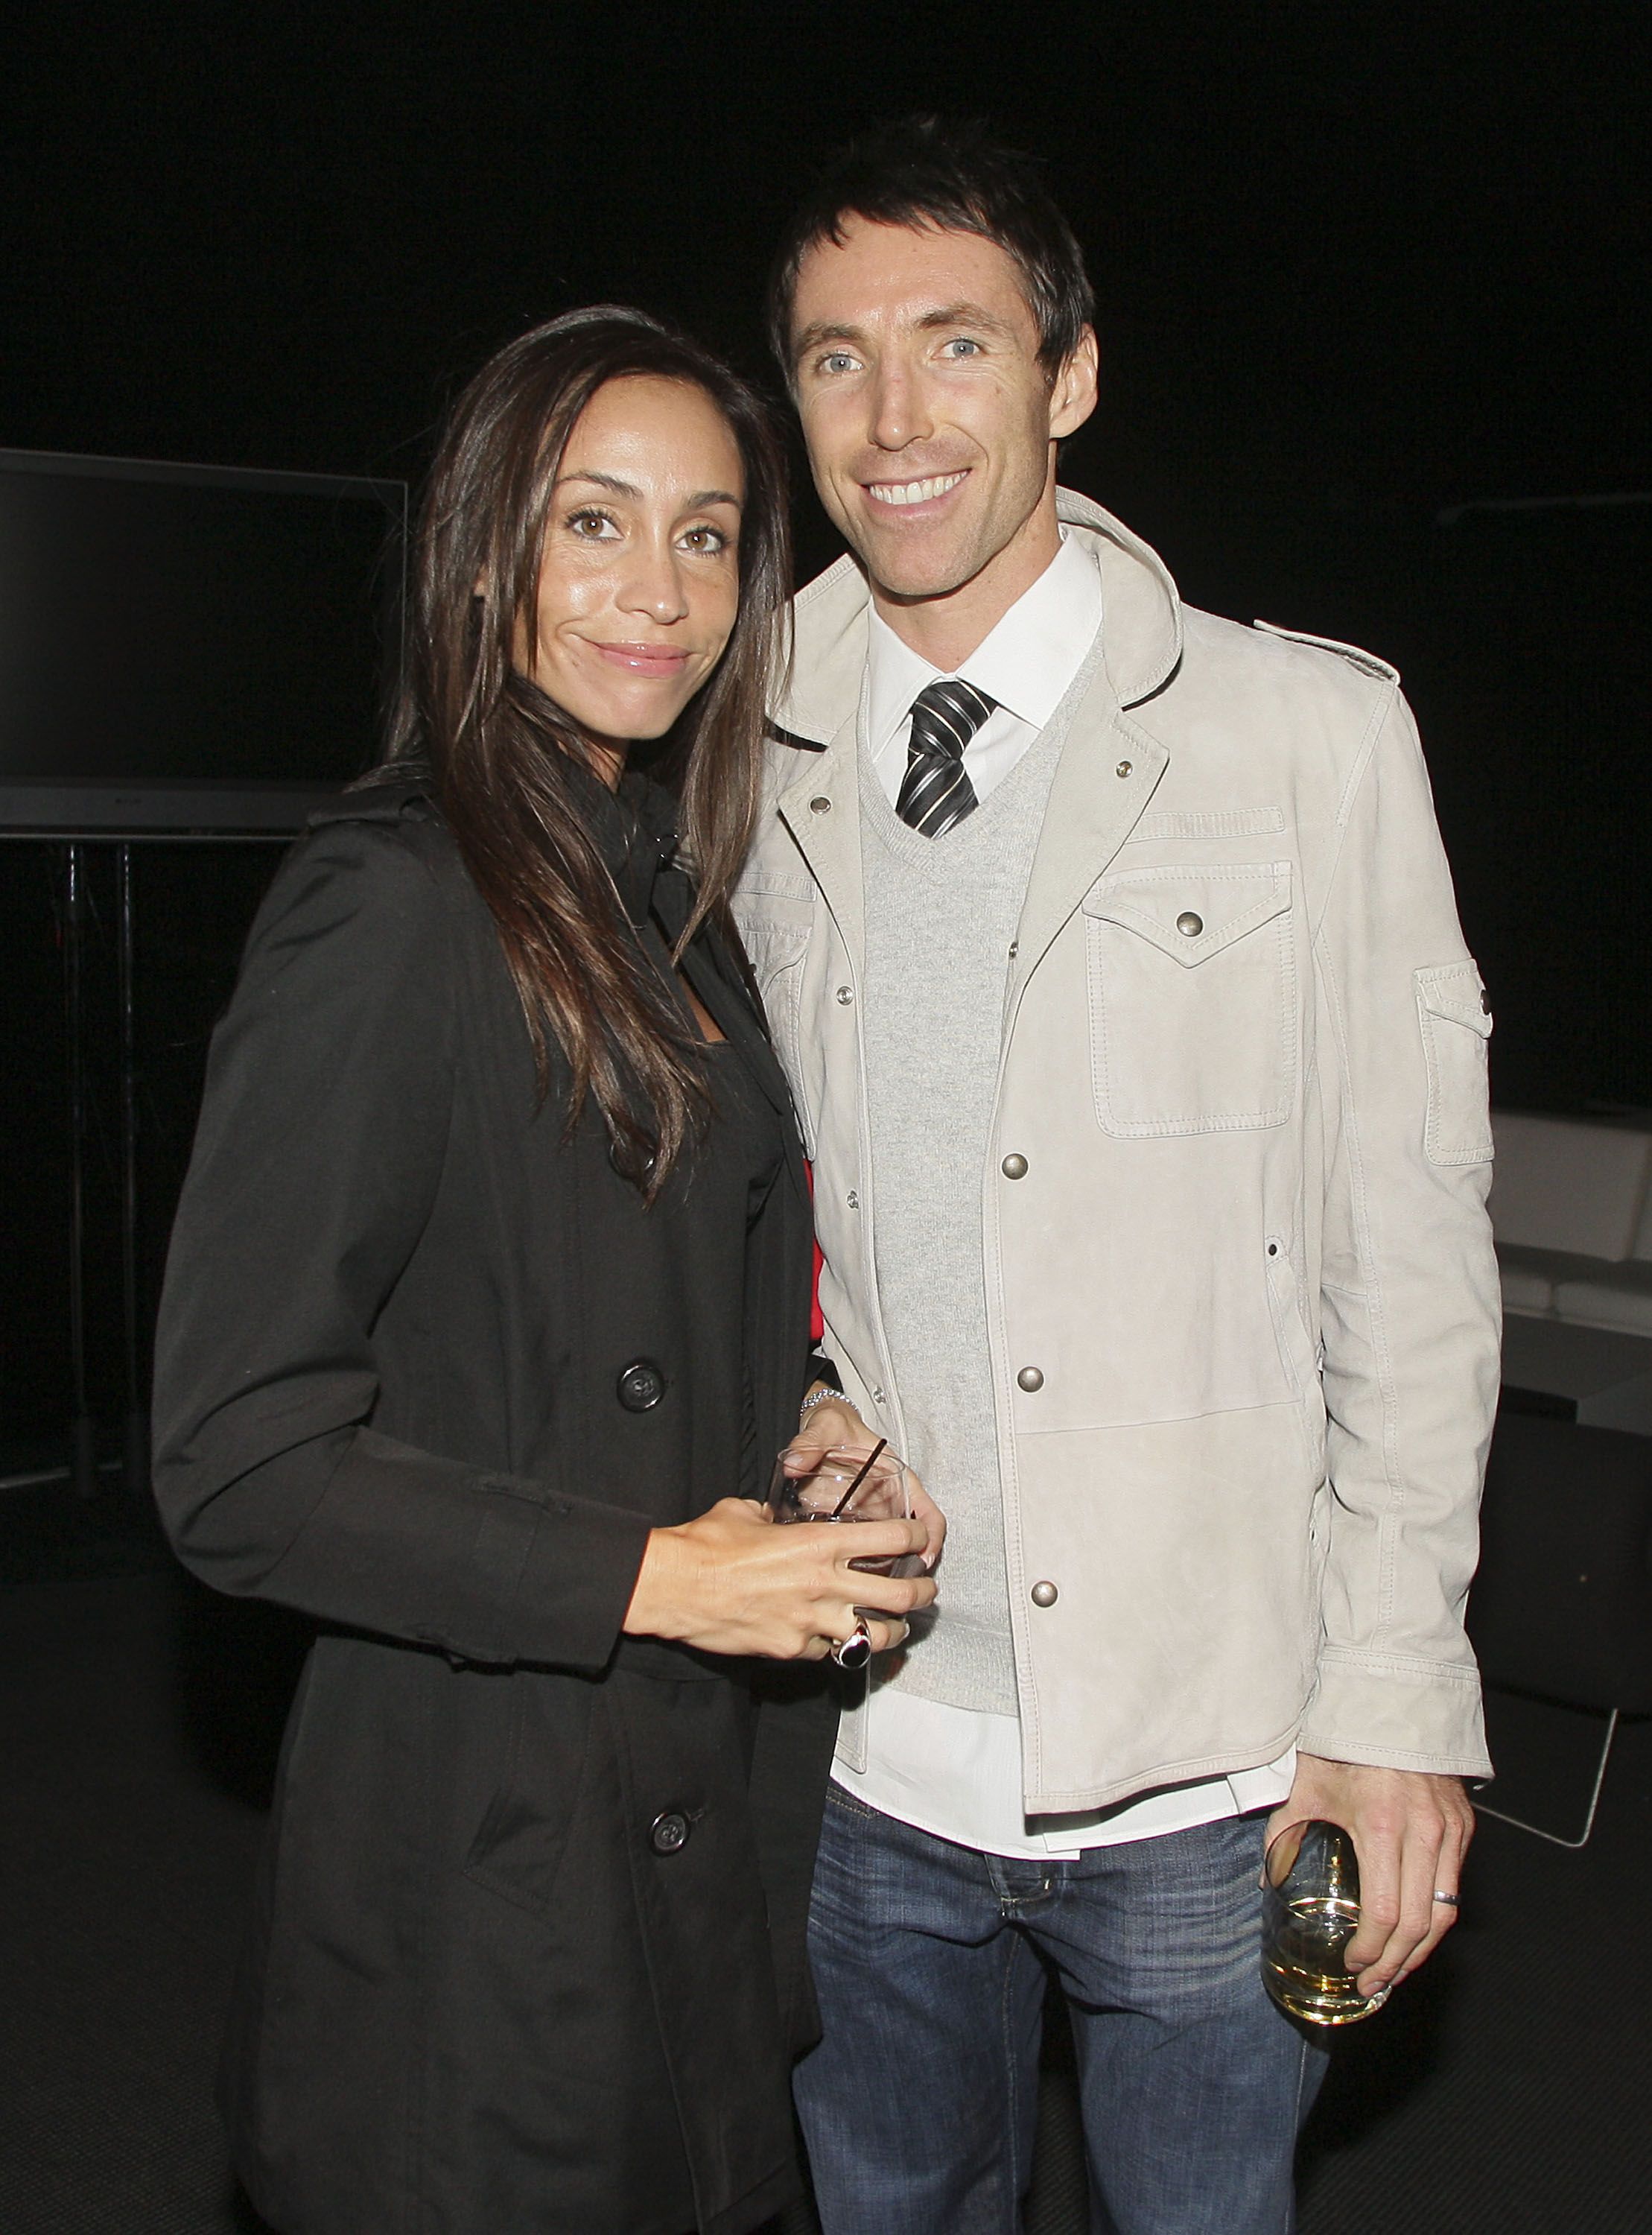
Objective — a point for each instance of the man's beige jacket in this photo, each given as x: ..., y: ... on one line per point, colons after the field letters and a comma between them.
x: 1241, y: 1294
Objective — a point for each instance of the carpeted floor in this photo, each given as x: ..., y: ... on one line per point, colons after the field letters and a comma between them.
x: 1505, y: 2089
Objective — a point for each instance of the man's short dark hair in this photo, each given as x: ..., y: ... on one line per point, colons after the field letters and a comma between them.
x: 927, y: 171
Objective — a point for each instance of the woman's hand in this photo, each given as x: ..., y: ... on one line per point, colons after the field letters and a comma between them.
x: 733, y: 1582
x: 833, y: 1424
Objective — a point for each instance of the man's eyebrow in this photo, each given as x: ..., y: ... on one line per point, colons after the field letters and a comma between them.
x: 824, y: 330
x: 615, y: 486
x: 966, y: 314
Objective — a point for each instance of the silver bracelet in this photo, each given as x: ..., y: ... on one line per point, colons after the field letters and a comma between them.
x: 821, y: 1397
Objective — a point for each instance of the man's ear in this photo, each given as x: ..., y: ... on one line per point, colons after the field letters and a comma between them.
x: 1073, y: 392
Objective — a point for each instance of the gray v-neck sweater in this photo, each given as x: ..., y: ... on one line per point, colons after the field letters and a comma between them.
x: 941, y: 916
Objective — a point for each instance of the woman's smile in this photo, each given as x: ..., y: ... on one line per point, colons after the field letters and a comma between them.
x: 645, y: 658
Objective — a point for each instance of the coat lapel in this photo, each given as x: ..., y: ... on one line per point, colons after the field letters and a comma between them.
x: 715, y: 977
x: 1107, y: 772
x: 821, y: 809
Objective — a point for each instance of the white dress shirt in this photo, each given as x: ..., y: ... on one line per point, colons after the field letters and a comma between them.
x: 956, y: 1772
x: 1026, y: 665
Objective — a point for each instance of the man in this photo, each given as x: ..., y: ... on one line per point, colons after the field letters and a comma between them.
x: 1112, y: 952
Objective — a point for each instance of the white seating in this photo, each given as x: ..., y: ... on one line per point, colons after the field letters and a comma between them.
x: 1619, y: 1296
x: 1571, y: 1209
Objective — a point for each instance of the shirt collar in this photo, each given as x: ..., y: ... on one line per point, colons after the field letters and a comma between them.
x: 1025, y: 665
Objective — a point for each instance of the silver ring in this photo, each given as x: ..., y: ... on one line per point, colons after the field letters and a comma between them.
x: 1446, y: 1900
x: 855, y: 1650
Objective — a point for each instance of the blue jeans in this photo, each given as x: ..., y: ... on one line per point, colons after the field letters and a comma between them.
x: 918, y: 2106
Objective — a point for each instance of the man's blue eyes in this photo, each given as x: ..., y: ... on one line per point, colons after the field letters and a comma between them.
x: 960, y: 345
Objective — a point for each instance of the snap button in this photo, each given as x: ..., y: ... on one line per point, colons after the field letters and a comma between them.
x: 1014, y: 948
x: 1013, y: 1166
x: 641, y: 1385
x: 846, y: 994
x: 854, y: 1199
x: 1123, y: 769
x: 1030, y: 1378
x: 669, y: 1833
x: 1044, y: 1594
x: 1189, y: 924
x: 821, y: 806
x: 877, y: 1396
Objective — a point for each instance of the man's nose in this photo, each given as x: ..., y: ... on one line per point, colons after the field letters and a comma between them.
x: 900, y: 413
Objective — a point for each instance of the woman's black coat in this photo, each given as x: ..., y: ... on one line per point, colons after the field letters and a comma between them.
x: 529, y: 1948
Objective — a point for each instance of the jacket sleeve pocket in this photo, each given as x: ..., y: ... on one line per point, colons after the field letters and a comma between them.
x: 1456, y: 1020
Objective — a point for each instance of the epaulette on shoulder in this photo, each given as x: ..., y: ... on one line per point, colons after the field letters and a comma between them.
x: 386, y: 795
x: 1367, y: 662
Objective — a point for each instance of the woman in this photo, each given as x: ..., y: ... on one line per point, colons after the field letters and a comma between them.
x: 485, y: 1312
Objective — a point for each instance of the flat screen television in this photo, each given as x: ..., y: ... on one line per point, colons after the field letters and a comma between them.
x: 189, y: 649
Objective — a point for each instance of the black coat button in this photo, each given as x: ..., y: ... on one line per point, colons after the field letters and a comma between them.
x: 631, y: 1163
x: 669, y: 1833
x: 641, y: 1386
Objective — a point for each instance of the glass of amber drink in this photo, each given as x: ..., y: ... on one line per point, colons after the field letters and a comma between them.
x: 1311, y: 1911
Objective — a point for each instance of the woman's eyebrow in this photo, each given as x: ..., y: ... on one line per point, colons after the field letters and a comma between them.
x: 615, y: 486
x: 611, y: 482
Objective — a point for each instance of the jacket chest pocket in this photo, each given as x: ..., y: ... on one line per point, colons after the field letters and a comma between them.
x: 776, y: 946
x: 1192, y: 994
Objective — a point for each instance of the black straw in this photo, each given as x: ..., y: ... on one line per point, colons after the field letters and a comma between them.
x: 881, y: 1445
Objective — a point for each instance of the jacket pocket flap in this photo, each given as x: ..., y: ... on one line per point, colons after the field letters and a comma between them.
x: 1454, y: 990
x: 763, y: 884
x: 1192, y: 914
x: 771, y: 942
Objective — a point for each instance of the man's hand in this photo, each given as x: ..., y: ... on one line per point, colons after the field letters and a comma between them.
x: 731, y: 1582
x: 834, y: 1425
x: 1411, y: 1830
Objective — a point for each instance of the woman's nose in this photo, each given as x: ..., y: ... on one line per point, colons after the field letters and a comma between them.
x: 654, y: 585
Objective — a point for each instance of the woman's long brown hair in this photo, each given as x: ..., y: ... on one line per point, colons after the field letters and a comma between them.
x: 500, y: 750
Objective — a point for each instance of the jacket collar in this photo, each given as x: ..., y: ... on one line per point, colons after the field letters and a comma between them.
x: 1141, y: 625
x: 634, y: 830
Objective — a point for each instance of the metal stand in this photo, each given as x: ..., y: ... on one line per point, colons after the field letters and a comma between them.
x: 134, y: 1472
x: 83, y: 1428
x: 1555, y: 1839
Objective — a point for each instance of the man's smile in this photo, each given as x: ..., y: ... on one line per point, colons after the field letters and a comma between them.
x: 919, y: 492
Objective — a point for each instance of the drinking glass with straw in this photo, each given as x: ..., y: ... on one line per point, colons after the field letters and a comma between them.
x: 841, y: 1485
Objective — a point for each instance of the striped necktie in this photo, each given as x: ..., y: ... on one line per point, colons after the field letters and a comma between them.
x: 935, y: 792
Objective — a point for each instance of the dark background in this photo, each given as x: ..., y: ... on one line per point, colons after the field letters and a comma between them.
x: 1358, y: 268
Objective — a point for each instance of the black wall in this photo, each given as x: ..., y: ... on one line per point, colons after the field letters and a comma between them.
x: 1356, y: 267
